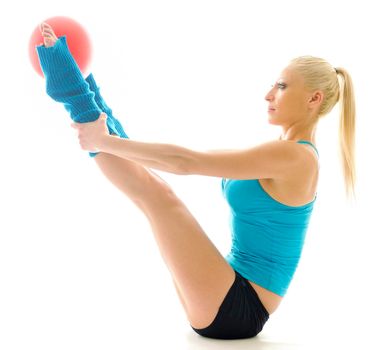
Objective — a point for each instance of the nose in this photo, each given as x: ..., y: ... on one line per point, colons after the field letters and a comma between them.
x: 269, y: 95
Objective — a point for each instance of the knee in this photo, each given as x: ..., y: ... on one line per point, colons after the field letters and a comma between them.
x: 160, y: 185
x: 157, y: 193
x: 161, y: 189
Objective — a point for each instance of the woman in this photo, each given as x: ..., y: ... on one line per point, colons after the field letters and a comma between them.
x: 271, y: 188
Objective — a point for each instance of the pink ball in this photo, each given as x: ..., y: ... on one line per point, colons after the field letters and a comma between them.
x: 77, y: 39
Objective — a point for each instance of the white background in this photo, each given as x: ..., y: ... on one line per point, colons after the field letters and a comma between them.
x: 79, y: 268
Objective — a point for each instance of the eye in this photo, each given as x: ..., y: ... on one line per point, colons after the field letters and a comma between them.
x: 280, y: 85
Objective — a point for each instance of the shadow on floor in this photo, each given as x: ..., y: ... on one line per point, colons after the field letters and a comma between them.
x: 196, y: 342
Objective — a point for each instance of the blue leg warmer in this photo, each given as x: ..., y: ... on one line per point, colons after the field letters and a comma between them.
x: 66, y: 84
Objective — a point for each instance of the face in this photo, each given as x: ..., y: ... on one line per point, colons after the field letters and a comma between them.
x: 288, y: 99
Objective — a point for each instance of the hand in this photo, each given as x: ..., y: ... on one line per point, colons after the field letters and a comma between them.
x: 92, y: 135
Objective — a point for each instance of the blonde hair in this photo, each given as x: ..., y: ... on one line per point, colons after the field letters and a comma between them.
x: 318, y: 74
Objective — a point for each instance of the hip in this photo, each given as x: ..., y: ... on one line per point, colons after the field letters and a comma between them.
x: 241, y: 314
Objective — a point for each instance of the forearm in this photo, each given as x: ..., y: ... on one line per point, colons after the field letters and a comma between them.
x: 160, y: 156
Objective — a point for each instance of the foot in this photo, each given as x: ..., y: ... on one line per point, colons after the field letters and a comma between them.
x: 48, y: 34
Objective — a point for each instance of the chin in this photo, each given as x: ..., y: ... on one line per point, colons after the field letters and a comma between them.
x: 272, y: 121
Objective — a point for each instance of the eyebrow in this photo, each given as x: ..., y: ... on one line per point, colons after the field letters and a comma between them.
x: 281, y: 81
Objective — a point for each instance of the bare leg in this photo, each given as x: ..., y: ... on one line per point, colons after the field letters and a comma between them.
x: 200, y: 273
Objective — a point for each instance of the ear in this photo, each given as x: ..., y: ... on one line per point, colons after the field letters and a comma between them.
x: 316, y: 99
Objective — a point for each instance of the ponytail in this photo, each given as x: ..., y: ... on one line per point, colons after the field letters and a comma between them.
x: 347, y: 130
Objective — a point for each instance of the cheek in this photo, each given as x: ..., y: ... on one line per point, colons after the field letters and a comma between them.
x: 296, y: 103
x: 288, y: 106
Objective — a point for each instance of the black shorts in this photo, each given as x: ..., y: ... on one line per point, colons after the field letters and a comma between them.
x: 241, y: 315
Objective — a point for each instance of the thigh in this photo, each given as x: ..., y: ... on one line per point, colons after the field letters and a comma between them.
x: 201, y: 274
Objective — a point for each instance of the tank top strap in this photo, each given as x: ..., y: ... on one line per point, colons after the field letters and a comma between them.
x: 309, y: 143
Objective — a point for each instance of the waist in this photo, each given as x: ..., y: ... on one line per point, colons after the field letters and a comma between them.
x: 270, y: 300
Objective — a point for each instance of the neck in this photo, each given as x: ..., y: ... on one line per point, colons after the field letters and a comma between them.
x: 296, y: 133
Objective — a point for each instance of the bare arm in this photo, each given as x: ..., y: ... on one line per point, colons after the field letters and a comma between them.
x: 275, y: 159
x: 161, y: 156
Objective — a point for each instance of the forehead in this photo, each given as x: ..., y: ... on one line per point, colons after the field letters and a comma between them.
x: 289, y: 74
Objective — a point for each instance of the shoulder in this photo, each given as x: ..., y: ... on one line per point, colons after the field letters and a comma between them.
x: 305, y: 156
x: 298, y: 186
x: 308, y: 155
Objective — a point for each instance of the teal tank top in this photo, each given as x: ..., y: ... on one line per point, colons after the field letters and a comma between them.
x: 267, y: 236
